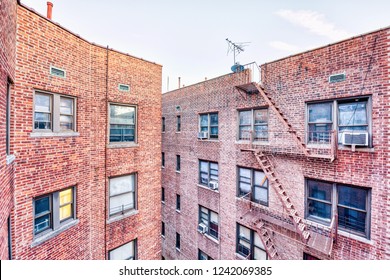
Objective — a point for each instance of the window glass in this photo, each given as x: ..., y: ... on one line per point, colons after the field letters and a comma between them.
x: 213, y: 119
x: 261, y: 116
x: 122, y: 123
x: 320, y: 190
x: 321, y: 112
x: 352, y: 197
x: 122, y: 194
x: 124, y: 252
x: 353, y: 113
x: 204, y: 121
x: 42, y: 112
x: 351, y: 219
x: 245, y: 118
x: 121, y: 184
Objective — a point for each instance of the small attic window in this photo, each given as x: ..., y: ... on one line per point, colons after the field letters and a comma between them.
x: 54, y: 71
x: 337, y: 78
x: 123, y: 87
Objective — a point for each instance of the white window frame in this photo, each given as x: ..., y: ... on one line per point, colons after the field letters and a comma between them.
x: 132, y: 176
x: 130, y: 256
x: 252, y: 185
x: 252, y: 124
x: 121, y: 143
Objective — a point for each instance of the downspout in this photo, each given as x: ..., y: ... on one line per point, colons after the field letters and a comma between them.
x: 105, y: 158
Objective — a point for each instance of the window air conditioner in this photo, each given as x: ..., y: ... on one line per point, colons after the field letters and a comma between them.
x: 213, y: 185
x: 202, y: 228
x: 354, y: 138
x: 203, y: 135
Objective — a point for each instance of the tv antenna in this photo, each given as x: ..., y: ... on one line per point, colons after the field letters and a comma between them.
x: 236, y: 48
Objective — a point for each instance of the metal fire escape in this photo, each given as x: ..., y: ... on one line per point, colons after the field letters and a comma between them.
x: 287, y: 141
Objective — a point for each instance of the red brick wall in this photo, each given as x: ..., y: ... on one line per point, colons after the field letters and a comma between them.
x: 7, y: 72
x: 48, y: 164
x: 291, y: 82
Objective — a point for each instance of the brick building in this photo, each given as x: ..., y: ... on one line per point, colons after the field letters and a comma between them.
x: 86, y: 176
x: 292, y: 165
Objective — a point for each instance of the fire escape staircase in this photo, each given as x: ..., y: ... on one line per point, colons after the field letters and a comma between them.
x: 265, y: 237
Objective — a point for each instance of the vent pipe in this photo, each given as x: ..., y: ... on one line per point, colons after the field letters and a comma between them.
x: 49, y: 9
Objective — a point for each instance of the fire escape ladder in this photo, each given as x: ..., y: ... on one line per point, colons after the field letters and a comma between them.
x: 265, y: 237
x: 282, y: 194
x: 283, y: 119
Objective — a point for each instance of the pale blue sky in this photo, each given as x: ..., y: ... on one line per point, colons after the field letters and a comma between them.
x: 188, y: 37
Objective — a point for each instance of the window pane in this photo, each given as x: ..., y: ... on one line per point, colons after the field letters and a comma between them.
x: 353, y: 113
x: 122, y: 133
x: 122, y: 114
x: 261, y: 195
x: 42, y: 205
x: 321, y: 112
x: 42, y: 121
x: 42, y: 223
x: 245, y: 117
x: 214, y: 167
x: 213, y: 217
x: 213, y: 119
x: 66, y: 196
x: 320, y: 190
x: 245, y: 172
x: 245, y: 232
x: 121, y: 184
x: 204, y: 166
x: 42, y: 103
x: 66, y: 122
x: 260, y: 179
x: 214, y: 132
x: 244, y: 188
x: 257, y: 241
x: 204, y: 178
x: 124, y: 252
x: 245, y: 132
x: 261, y: 116
x: 352, y: 197
x: 204, y: 120
x: 319, y: 209
x: 121, y: 203
x: 66, y: 106
x: 261, y: 132
x: 65, y: 212
x: 352, y: 219
x: 259, y: 254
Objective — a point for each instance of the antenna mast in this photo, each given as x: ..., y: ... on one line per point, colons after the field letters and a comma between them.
x: 236, y: 48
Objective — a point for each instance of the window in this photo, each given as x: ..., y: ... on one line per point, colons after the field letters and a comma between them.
x: 177, y: 163
x: 253, y: 185
x: 210, y: 220
x: 127, y: 251
x: 178, y: 202
x: 203, y: 256
x: 163, y: 124
x: 249, y: 244
x: 162, y: 194
x: 123, y: 87
x: 54, y: 112
x: 209, y: 123
x: 163, y: 229
x: 309, y: 257
x: 163, y: 159
x: 177, y: 241
x: 178, y: 123
x: 352, y: 205
x: 122, y: 123
x: 122, y: 194
x: 7, y: 120
x: 352, y: 115
x: 253, y: 125
x: 208, y: 171
x: 53, y: 210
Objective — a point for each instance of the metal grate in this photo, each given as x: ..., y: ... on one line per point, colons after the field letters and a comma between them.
x: 54, y: 71
x: 337, y: 78
x: 123, y: 87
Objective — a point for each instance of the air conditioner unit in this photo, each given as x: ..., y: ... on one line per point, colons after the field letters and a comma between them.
x: 354, y: 138
x: 203, y: 135
x: 202, y: 228
x: 213, y: 185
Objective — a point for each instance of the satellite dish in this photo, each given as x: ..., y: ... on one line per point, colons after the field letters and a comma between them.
x: 237, y: 68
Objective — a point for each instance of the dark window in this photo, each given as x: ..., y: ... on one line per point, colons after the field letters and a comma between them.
x: 163, y: 159
x: 163, y: 124
x: 177, y: 241
x: 253, y: 125
x: 7, y: 120
x: 309, y: 257
x: 253, y: 185
x: 208, y: 123
x: 127, y: 251
x: 53, y: 210
x: 177, y: 163
x: 122, y: 123
x: 163, y: 194
x: 178, y: 123
x: 210, y: 220
x: 352, y: 204
x: 162, y: 228
x: 208, y: 171
x: 178, y: 202
x: 203, y: 256
x: 122, y: 194
x: 249, y: 244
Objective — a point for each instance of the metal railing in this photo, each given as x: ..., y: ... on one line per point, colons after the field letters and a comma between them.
x: 319, y: 144
x: 254, y: 72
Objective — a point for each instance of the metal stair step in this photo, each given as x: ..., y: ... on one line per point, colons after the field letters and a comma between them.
x: 306, y: 234
x: 297, y: 219
x: 301, y: 227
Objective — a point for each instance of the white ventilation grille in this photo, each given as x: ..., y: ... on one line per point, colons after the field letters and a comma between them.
x: 337, y: 78
x: 58, y: 72
x: 123, y: 87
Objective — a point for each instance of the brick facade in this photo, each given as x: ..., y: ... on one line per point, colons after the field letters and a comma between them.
x: 47, y: 163
x: 7, y: 75
x: 291, y: 83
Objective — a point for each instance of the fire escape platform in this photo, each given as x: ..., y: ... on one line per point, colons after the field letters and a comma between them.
x: 249, y: 88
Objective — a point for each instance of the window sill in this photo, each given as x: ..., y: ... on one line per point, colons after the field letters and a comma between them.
x: 10, y: 159
x: 241, y: 257
x: 118, y: 217
x: 355, y: 237
x: 207, y: 188
x: 211, y: 238
x: 178, y: 249
x: 123, y: 145
x: 163, y: 236
x: 163, y: 202
x: 357, y: 149
x: 178, y: 132
x: 209, y: 140
x: 43, y: 237
x: 178, y: 172
x: 178, y: 211
x: 37, y: 134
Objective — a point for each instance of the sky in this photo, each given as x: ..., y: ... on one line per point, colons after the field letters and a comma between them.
x: 189, y: 37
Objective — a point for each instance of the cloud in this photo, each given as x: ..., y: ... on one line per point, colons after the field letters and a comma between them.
x: 314, y: 22
x: 279, y: 45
